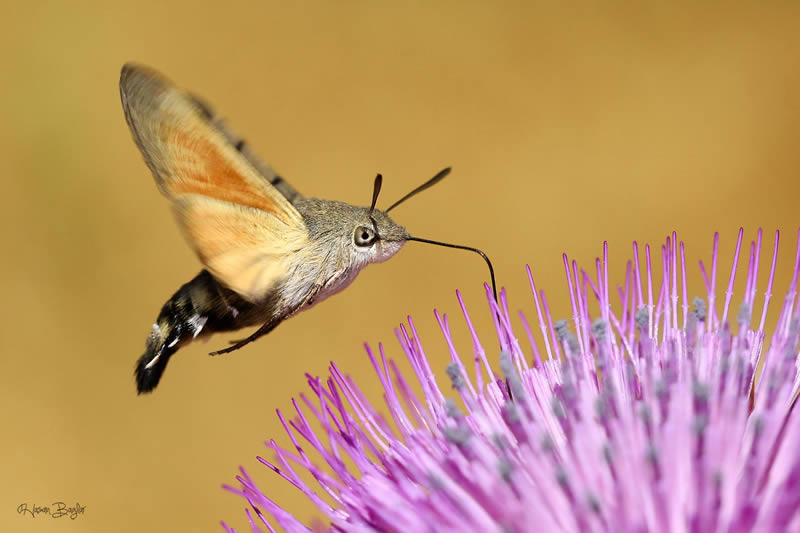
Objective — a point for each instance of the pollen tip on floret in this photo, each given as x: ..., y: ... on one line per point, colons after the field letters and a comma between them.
x: 758, y: 425
x: 505, y: 469
x: 593, y: 503
x: 794, y: 329
x: 560, y: 327
x: 700, y: 391
x: 599, y: 329
x: 642, y: 318
x: 506, y: 366
x: 699, y: 424
x: 454, y: 373
x: 452, y: 409
x: 660, y: 388
x: 572, y: 342
x: 699, y: 308
x: 499, y: 441
x: 744, y: 315
x: 457, y: 434
x: 608, y: 455
x: 510, y: 373
x: 511, y: 413
x: 600, y: 407
x: 562, y: 478
x: 435, y: 481
x: 546, y: 442
x: 651, y: 452
x: 558, y: 408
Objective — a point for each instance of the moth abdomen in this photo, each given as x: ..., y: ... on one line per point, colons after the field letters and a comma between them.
x: 200, y: 307
x: 152, y: 363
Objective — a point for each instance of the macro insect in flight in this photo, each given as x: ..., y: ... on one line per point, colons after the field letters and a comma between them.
x: 268, y: 251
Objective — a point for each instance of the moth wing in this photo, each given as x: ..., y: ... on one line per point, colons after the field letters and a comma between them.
x: 238, y: 223
x: 238, y: 143
x: 246, y: 248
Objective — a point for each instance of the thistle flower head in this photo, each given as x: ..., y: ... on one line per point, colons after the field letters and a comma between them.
x: 649, y: 418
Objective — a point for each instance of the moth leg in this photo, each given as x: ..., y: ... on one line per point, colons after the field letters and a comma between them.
x: 269, y: 325
x: 309, y: 299
x: 263, y: 330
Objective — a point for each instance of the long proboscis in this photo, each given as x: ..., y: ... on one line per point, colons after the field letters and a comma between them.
x: 469, y: 248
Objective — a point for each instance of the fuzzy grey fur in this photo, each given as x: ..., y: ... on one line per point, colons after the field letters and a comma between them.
x: 332, y: 260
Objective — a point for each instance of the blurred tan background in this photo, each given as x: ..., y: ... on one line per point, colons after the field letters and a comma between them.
x: 564, y: 127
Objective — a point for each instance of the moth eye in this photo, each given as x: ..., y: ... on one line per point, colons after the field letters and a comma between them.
x: 364, y: 236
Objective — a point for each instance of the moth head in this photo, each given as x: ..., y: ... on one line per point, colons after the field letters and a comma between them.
x: 376, y: 237
x: 396, y: 235
x: 352, y: 237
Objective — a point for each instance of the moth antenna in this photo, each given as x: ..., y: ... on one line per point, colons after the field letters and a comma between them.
x: 460, y: 247
x: 430, y: 183
x: 376, y: 190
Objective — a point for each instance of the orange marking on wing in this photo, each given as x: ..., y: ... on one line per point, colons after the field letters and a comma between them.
x: 211, y: 174
x: 245, y: 248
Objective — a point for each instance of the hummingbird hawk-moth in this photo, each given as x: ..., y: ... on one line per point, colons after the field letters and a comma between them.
x: 268, y: 252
